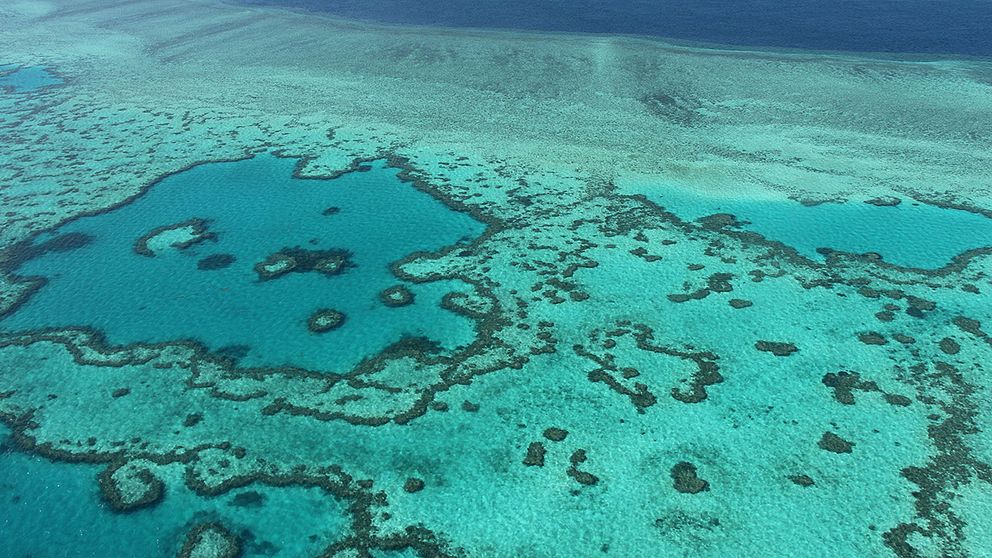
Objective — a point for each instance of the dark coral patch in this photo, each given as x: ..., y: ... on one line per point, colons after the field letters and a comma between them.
x: 556, y: 434
x: 719, y: 221
x: 715, y: 283
x: 738, y: 303
x: 968, y: 325
x: 679, y: 298
x: 413, y: 485
x: 233, y: 352
x: 872, y: 338
x: 949, y: 346
x: 582, y: 477
x: 885, y: 316
x: 19, y: 253
x: 686, y: 480
x: 639, y: 393
x: 898, y: 400
x: 884, y: 201
x: 844, y: 383
x: 577, y: 458
x: 707, y: 375
x: 920, y: 304
x: 776, y: 348
x: 535, y: 455
x: 903, y: 338
x: 215, y: 261
x: 834, y: 443
x: 802, y: 480
x: 249, y: 499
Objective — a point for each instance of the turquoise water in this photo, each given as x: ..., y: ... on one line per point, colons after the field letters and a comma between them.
x: 27, y: 78
x: 606, y: 380
x: 57, y: 511
x: 181, y: 261
x: 909, y: 234
x: 254, y: 208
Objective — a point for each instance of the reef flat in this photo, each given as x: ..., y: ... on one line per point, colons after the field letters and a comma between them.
x: 549, y: 310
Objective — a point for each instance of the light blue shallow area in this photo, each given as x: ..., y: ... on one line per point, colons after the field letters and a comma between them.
x: 256, y: 208
x: 27, y: 78
x: 56, y: 510
x: 910, y: 234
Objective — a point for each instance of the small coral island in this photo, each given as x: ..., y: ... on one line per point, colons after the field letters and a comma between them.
x: 301, y: 260
x: 396, y: 296
x: 179, y: 236
x: 325, y: 320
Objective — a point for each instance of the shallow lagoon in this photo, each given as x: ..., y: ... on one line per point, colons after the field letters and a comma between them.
x: 27, y: 78
x: 253, y: 208
x: 909, y: 234
x: 58, y: 510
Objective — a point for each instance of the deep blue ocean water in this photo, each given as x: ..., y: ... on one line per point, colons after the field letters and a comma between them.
x: 904, y: 26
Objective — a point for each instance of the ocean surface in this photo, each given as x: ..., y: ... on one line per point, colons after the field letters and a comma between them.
x: 946, y: 27
x: 275, y: 285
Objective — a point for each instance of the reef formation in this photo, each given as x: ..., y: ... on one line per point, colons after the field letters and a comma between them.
x: 565, y: 363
